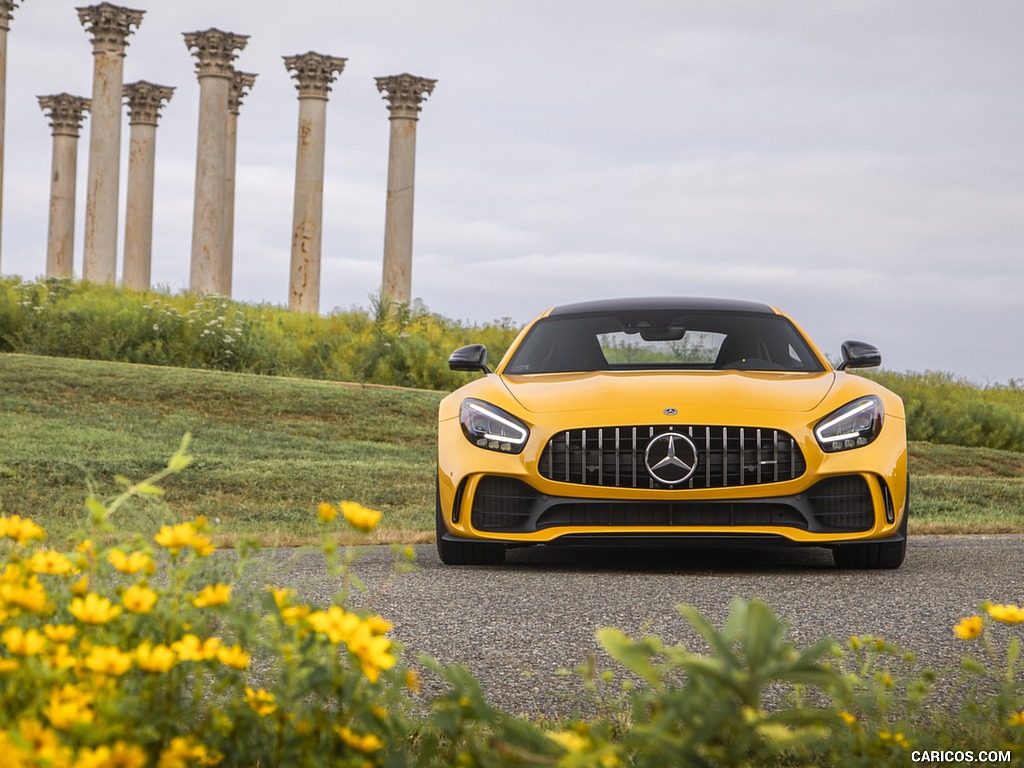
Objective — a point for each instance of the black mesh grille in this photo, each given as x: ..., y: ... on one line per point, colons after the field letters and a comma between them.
x: 501, y: 504
x: 676, y: 514
x: 726, y: 456
x: 842, y: 504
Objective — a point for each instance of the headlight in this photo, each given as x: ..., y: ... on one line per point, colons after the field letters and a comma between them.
x: 489, y: 427
x: 852, y: 426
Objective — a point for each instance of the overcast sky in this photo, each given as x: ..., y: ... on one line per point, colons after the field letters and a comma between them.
x: 858, y: 163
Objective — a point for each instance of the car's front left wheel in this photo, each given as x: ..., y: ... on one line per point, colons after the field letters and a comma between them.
x: 464, y: 552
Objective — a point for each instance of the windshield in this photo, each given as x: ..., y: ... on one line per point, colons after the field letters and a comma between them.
x: 656, y: 340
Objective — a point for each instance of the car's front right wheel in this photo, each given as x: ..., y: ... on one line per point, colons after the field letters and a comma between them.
x: 463, y: 552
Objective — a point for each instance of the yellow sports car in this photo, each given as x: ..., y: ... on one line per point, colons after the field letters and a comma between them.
x: 643, y: 420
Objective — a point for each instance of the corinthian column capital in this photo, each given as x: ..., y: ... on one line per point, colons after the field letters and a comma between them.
x: 404, y: 93
x: 145, y: 100
x: 109, y: 26
x: 241, y: 84
x: 315, y: 73
x: 215, y: 50
x: 6, y: 9
x: 65, y: 112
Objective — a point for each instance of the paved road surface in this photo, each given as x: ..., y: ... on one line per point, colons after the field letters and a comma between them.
x: 516, y: 625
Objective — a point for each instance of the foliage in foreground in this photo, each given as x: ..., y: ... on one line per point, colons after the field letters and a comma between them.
x: 157, y: 656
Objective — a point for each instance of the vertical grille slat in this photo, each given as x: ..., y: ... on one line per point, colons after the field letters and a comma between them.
x: 613, y: 457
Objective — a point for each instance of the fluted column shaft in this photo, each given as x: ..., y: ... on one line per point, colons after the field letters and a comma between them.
x: 110, y: 26
x: 6, y: 8
x: 65, y: 112
x: 144, y: 102
x: 241, y: 84
x: 404, y: 93
x: 314, y: 73
x: 215, y: 50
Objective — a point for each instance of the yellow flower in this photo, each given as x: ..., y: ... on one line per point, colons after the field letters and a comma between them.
x: 20, y: 529
x: 29, y: 596
x: 131, y: 564
x: 182, y: 535
x: 290, y: 614
x: 191, y: 648
x: 184, y: 753
x: 8, y: 665
x: 108, y: 660
x: 154, y: 658
x: 139, y: 599
x: 67, y: 706
x: 335, y: 623
x: 1008, y: 614
x: 61, y: 658
x: 359, y: 516
x: 80, y: 587
x: 896, y: 738
x: 327, y: 512
x: 412, y: 681
x: 261, y: 702
x: 60, y: 633
x: 121, y: 755
x: 368, y: 743
x: 22, y: 643
x: 234, y: 657
x: 1017, y: 718
x: 212, y: 595
x: 969, y: 628
x: 570, y: 741
x: 48, y: 561
x: 93, y: 609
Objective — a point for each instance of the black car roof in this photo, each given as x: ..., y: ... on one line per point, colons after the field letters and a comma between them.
x: 670, y: 303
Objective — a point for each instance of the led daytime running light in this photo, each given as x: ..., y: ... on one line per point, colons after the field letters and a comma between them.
x: 497, y: 417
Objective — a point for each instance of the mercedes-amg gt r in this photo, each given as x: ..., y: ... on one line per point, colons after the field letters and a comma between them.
x: 653, y: 419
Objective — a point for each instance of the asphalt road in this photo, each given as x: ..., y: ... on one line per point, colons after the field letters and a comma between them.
x: 516, y: 625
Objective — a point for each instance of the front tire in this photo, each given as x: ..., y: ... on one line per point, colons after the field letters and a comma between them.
x: 463, y: 552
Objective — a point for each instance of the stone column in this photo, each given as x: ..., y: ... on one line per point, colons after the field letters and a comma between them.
x: 144, y: 103
x: 109, y: 26
x: 241, y: 84
x: 404, y: 94
x: 65, y: 112
x: 315, y: 74
x: 215, y: 50
x: 6, y: 9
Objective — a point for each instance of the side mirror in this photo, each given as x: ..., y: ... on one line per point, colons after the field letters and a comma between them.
x: 469, y: 358
x: 857, y: 354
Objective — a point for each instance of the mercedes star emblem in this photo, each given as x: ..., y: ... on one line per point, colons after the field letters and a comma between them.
x: 671, y: 458
x: 670, y: 411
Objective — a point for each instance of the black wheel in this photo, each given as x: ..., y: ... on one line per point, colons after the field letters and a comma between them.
x: 463, y: 552
x: 889, y: 554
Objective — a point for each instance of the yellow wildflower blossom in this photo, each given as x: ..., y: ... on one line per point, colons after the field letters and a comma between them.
x: 139, y: 599
x: 131, y: 564
x: 81, y: 587
x: 570, y: 741
x: 969, y: 628
x: 359, y: 516
x: 1017, y: 718
x: 61, y: 658
x: 29, y: 596
x: 108, y: 660
x: 68, y: 706
x: 8, y: 665
x: 1008, y: 614
x: 372, y: 652
x: 93, y: 609
x: 366, y: 744
x: 121, y: 755
x: 234, y: 657
x: 335, y: 622
x: 412, y: 681
x: 191, y: 648
x: 327, y: 512
x: 176, y: 537
x: 60, y: 633
x: 48, y: 561
x: 261, y: 701
x: 22, y: 643
x: 185, y: 752
x: 290, y: 614
x: 212, y: 595
x: 20, y: 529
x: 154, y: 658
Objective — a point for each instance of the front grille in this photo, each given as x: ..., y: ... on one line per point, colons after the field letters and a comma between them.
x: 501, y: 504
x: 842, y: 504
x: 667, y: 513
x: 613, y: 457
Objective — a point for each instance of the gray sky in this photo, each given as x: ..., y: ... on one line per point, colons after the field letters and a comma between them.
x: 858, y: 163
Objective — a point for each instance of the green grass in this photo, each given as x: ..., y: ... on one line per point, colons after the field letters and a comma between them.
x: 268, y: 450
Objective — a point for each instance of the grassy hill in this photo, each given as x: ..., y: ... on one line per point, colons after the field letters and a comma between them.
x: 268, y: 450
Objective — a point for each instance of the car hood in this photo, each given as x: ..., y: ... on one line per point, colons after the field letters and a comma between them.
x: 735, y: 390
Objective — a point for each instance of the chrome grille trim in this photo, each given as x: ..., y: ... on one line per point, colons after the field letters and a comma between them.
x: 613, y: 457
